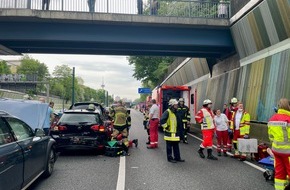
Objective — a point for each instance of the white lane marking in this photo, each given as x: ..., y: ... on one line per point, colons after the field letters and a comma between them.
x: 230, y: 154
x: 122, y: 173
x: 255, y: 166
x: 134, y: 167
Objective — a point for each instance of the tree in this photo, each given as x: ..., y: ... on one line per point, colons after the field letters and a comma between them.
x: 30, y: 66
x: 4, y: 68
x: 61, y: 84
x: 149, y: 70
x: 34, y: 70
x: 200, y: 8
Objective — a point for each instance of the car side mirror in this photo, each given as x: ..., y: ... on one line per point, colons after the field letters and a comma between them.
x: 39, y: 132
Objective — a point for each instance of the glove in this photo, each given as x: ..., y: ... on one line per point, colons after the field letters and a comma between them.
x: 147, y: 124
x: 231, y: 134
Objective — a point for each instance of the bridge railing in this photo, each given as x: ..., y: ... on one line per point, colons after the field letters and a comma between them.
x: 178, y: 8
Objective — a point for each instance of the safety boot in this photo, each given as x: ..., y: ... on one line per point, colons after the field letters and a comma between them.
x: 200, y: 152
x: 135, y: 141
x: 209, y: 155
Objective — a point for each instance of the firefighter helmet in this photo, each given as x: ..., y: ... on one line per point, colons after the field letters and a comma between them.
x: 91, y: 107
x: 234, y: 100
x: 207, y: 101
x: 181, y: 100
x: 173, y: 102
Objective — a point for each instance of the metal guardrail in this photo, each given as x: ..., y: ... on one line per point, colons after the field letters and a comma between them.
x: 178, y: 8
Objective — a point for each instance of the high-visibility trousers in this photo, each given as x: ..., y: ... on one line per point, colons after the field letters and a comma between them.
x: 207, y: 137
x: 153, y: 130
x: 282, y: 169
x: 124, y: 132
x: 222, y: 138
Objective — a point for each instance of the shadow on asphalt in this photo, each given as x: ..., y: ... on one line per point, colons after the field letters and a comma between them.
x: 80, y: 153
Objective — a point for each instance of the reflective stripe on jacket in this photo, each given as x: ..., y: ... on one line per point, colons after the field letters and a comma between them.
x: 170, y: 127
x: 279, y: 131
x: 120, y: 116
x: 244, y: 123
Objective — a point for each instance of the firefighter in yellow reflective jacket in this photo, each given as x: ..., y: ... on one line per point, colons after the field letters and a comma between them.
x: 240, y: 125
x: 184, y: 115
x: 121, y: 117
x: 171, y: 132
x: 279, y: 135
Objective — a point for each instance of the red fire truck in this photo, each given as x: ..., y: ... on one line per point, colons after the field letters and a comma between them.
x: 163, y: 94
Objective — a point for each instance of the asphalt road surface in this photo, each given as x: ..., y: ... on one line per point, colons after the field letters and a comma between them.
x: 148, y: 169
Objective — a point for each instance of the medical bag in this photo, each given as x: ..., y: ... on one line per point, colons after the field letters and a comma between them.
x: 262, y: 152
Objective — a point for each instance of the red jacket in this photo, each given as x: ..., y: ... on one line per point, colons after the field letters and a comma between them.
x: 280, y: 117
x: 229, y: 112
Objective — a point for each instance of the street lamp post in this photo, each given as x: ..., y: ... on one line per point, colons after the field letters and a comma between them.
x: 73, y: 87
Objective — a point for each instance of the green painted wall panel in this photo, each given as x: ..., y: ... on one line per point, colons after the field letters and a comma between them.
x: 265, y: 25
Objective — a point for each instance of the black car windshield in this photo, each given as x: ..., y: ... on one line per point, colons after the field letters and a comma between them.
x: 77, y: 118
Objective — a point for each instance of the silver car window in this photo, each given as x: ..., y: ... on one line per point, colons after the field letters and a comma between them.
x: 20, y: 129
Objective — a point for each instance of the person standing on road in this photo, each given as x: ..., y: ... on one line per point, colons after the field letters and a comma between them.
x: 153, y: 124
x: 240, y: 125
x: 184, y: 116
x: 205, y: 118
x: 120, y: 115
x: 222, y: 125
x: 171, y: 132
x: 146, y: 122
x: 45, y: 4
x: 49, y: 116
x: 91, y: 4
x: 229, y: 113
x: 279, y: 135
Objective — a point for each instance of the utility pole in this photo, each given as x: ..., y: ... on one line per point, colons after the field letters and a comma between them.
x: 107, y: 100
x: 73, y: 87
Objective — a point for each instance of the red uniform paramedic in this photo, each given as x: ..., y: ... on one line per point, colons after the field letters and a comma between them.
x: 205, y: 118
x: 229, y: 113
x: 153, y: 124
x: 279, y: 135
x: 240, y: 125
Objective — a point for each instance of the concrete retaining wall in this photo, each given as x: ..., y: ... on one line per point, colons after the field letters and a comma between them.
x: 258, y: 131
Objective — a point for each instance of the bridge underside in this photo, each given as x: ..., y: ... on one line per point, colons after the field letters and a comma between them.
x: 115, y: 39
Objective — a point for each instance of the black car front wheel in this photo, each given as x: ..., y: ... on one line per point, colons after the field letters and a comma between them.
x: 50, y: 163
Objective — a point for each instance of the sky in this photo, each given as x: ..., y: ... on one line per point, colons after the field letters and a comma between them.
x: 115, y: 70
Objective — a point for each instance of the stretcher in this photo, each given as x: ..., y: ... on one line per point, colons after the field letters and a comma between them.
x: 268, y: 163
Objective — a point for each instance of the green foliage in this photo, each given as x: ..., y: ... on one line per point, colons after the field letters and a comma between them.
x: 4, y: 68
x: 149, y: 70
x: 61, y: 84
x: 205, y: 9
x: 30, y: 66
